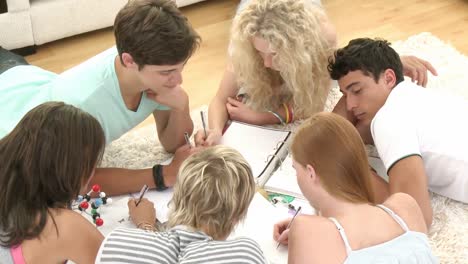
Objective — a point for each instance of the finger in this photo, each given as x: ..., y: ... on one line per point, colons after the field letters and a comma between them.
x: 424, y: 79
x: 276, y: 232
x: 414, y: 74
x: 230, y: 108
x: 209, y: 141
x: 420, y: 76
x: 283, y: 238
x: 213, y: 138
x: 131, y: 201
x: 430, y: 67
x: 234, y: 102
x: 199, y: 138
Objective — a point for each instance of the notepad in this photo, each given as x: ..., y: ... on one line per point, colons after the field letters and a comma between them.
x: 262, y: 147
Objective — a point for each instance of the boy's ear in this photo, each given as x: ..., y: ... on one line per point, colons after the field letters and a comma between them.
x: 128, y: 60
x: 390, y: 78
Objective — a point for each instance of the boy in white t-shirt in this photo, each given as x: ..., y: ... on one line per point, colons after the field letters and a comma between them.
x: 418, y: 133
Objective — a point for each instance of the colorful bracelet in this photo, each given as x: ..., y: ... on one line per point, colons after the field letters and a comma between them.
x: 291, y: 114
x: 277, y: 116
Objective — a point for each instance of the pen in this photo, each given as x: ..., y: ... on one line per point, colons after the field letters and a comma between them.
x: 289, y: 225
x: 142, y: 193
x: 187, y: 139
x: 202, y: 114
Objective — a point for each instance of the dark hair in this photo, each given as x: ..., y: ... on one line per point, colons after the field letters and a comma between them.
x: 154, y: 32
x: 371, y: 56
x: 46, y: 159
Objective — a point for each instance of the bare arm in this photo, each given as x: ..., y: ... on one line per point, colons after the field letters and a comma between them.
x: 217, y: 112
x: 116, y: 181
x: 380, y: 187
x: 171, y: 126
x: 408, y: 176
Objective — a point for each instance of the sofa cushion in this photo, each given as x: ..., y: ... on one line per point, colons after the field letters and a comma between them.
x: 56, y: 19
x: 15, y: 30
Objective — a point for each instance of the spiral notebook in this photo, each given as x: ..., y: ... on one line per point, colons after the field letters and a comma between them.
x: 284, y: 180
x: 262, y: 147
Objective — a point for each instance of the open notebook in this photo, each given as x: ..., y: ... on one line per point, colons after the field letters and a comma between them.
x: 262, y: 147
x: 258, y: 225
x: 284, y: 181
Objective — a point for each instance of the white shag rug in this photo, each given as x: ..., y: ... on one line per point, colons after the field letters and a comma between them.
x: 449, y: 233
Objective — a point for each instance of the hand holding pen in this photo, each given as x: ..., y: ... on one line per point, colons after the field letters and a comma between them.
x: 141, y: 210
x: 281, y: 229
x: 143, y: 190
x: 205, y: 136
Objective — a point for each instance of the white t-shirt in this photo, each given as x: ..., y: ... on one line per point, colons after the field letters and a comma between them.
x: 418, y: 121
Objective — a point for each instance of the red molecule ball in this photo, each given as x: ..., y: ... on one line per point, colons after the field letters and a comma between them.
x: 84, y: 205
x: 96, y: 188
x: 99, y: 221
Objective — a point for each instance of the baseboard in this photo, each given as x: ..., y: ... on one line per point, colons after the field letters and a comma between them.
x: 25, y: 51
x: 3, y: 6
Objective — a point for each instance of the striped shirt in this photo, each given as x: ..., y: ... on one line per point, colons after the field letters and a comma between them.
x: 177, y: 245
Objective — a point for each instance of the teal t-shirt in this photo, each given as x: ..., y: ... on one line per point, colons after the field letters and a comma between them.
x: 92, y: 86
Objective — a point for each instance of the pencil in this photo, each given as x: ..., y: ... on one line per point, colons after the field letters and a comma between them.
x: 289, y: 225
x: 187, y: 139
x: 203, y: 122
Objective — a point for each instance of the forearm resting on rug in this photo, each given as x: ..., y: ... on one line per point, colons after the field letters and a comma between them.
x: 408, y: 176
x: 117, y: 181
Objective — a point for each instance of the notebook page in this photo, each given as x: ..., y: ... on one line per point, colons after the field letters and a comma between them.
x: 284, y: 181
x: 258, y: 225
x: 255, y: 143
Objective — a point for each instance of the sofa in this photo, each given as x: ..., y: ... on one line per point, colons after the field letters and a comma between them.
x: 27, y: 23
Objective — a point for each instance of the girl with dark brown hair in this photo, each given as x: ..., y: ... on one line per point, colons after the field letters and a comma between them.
x: 46, y: 160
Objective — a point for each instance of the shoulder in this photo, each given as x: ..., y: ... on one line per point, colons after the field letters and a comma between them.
x: 76, y: 228
x: 77, y: 237
x: 133, y: 242
x: 408, y: 209
x: 315, y: 239
x: 312, y: 229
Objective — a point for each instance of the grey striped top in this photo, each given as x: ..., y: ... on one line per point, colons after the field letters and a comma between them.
x: 177, y: 245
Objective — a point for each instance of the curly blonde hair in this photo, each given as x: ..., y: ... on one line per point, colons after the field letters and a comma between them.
x: 213, y: 191
x: 294, y: 30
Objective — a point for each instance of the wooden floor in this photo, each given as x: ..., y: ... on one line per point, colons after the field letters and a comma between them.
x: 392, y: 20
